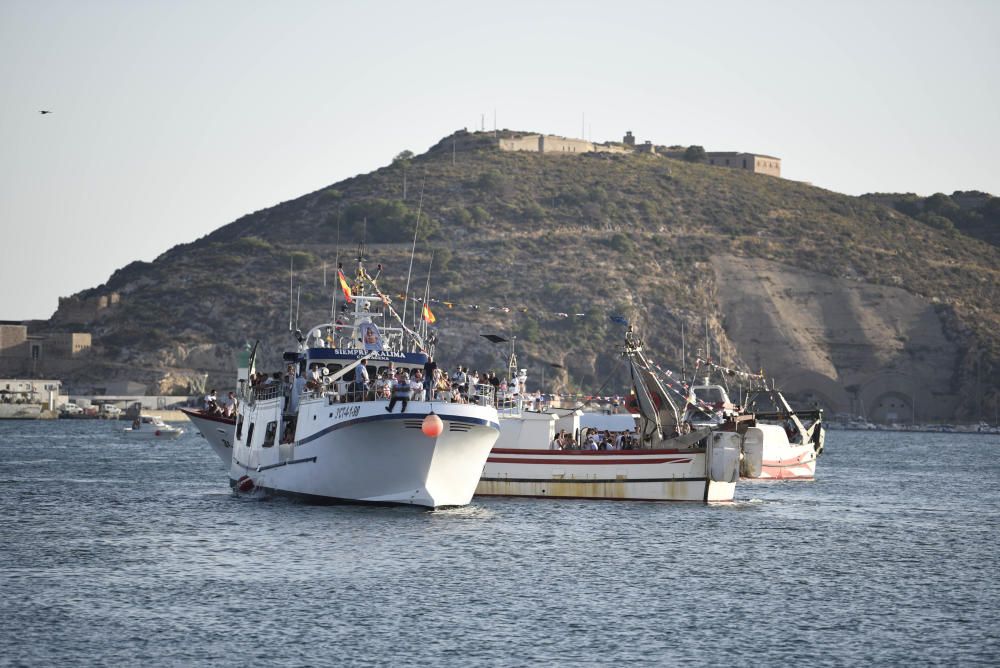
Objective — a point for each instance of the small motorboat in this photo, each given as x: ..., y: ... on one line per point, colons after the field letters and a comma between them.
x: 148, y: 428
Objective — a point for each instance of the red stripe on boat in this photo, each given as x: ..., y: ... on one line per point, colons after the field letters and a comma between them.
x: 595, y: 453
x: 618, y: 462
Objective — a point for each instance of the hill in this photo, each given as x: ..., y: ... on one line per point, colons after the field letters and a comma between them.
x: 844, y: 300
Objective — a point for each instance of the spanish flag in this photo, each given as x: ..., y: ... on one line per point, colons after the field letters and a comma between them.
x: 428, y: 316
x: 344, y: 286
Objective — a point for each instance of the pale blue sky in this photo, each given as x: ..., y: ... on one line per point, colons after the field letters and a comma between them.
x: 171, y: 119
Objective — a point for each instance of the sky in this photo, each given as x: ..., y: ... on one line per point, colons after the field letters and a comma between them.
x: 172, y: 118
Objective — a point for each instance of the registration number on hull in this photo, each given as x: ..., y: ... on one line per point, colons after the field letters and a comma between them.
x: 346, y: 412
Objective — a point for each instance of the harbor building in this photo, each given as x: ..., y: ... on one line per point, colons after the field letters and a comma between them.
x: 24, y: 353
x: 31, y: 391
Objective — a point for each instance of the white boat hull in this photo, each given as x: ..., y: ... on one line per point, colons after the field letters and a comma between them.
x: 220, y: 433
x: 684, y: 474
x: 359, y: 453
x: 151, y: 434
x: 768, y: 455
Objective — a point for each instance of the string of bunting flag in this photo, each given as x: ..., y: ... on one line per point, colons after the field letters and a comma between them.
x: 730, y: 372
x: 615, y: 318
x: 682, y: 389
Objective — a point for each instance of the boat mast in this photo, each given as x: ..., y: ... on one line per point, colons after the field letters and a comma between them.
x: 336, y: 282
x: 413, y: 248
x: 421, y: 325
x: 683, y: 353
x: 291, y: 290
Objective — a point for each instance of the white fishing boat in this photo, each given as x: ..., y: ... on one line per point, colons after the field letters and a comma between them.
x: 329, y: 437
x: 776, y: 443
x: 665, y: 464
x: 151, y: 428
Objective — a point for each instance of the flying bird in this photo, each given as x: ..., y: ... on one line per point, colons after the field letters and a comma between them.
x: 45, y: 111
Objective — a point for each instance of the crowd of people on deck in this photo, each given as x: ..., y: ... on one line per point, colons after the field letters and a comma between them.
x: 396, y: 385
x: 595, y: 439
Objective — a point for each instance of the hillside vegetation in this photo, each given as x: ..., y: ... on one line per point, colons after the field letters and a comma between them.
x: 544, y: 235
x: 974, y: 213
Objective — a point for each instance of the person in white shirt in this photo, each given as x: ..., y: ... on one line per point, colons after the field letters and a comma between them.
x: 232, y: 404
x: 315, y: 379
x: 417, y: 386
x: 556, y: 443
x: 382, y: 385
x: 459, y: 382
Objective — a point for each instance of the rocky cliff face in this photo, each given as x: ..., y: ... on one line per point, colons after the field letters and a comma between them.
x: 841, y: 299
x: 853, y: 347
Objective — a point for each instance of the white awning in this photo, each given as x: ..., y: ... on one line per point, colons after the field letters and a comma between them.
x: 602, y: 421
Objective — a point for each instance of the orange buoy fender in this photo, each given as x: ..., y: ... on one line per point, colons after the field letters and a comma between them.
x: 157, y: 432
x: 432, y: 426
x: 245, y: 484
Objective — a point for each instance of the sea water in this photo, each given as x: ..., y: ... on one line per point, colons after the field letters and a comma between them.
x: 123, y: 553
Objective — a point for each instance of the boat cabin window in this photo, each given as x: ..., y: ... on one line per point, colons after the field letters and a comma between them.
x: 334, y: 368
x: 272, y: 428
x: 250, y: 435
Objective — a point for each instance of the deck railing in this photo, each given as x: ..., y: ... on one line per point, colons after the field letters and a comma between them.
x: 349, y: 392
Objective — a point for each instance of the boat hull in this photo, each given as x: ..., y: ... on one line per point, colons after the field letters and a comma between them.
x: 152, y: 434
x: 684, y: 474
x: 361, y: 454
x: 220, y: 432
x: 768, y: 455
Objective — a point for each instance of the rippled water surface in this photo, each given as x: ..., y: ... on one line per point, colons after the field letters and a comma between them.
x: 129, y: 553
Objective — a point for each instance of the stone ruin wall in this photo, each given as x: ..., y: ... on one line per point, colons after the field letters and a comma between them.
x: 75, y: 309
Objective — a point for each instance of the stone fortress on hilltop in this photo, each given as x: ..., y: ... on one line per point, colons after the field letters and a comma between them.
x: 758, y: 163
